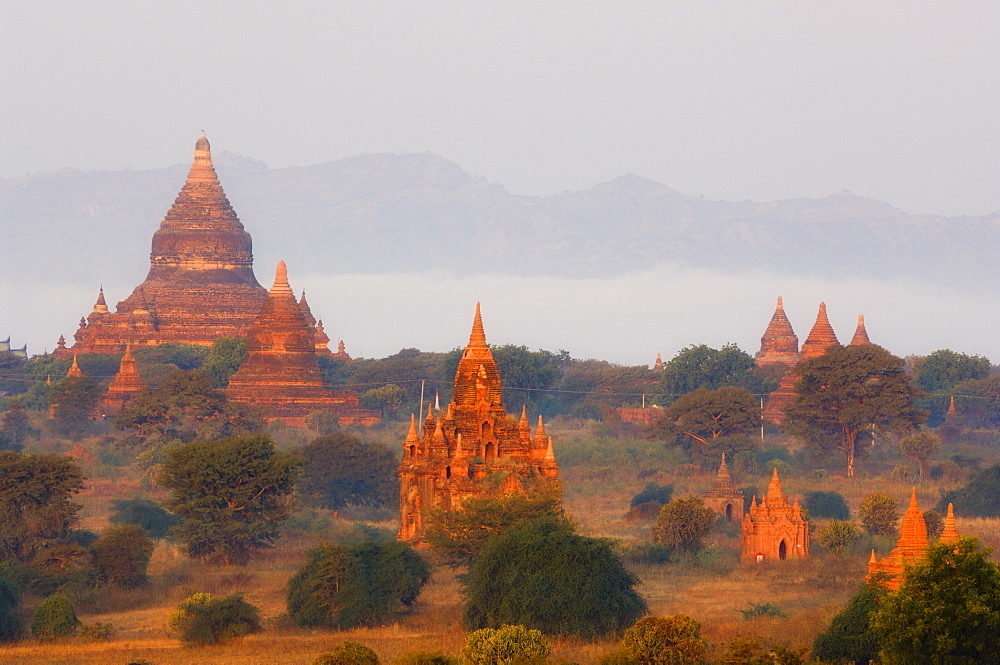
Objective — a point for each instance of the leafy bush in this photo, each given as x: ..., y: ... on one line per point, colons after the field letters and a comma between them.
x: 683, y: 523
x: 850, y: 637
x: 343, y: 469
x: 653, y: 492
x: 204, y: 619
x: 783, y: 467
x: 544, y: 576
x: 148, y: 514
x: 349, y: 653
x: 54, y: 618
x: 506, y: 645
x: 745, y: 462
x: 935, y: 524
x: 746, y: 650
x: 675, y: 640
x: 121, y: 555
x: 761, y: 610
x: 10, y: 600
x: 980, y: 498
x: 358, y: 585
x: 837, y: 536
x: 651, y: 553
x: 826, y: 504
x: 879, y: 514
x: 426, y: 658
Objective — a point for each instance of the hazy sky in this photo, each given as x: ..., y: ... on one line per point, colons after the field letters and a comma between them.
x: 897, y: 101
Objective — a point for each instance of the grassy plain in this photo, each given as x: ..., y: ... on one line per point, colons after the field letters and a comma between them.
x: 600, y: 475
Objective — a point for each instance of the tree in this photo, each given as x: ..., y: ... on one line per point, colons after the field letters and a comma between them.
x: 944, y: 369
x: 147, y: 514
x: 226, y: 356
x: 121, y: 555
x: 10, y: 601
x: 54, y: 618
x: 711, y: 421
x: 36, y: 507
x: 342, y: 469
x: 385, y: 399
x: 507, y: 645
x: 746, y: 650
x: 921, y: 446
x: 360, y: 585
x: 826, y: 504
x: 879, y: 514
x: 187, y: 406
x: 837, y: 536
x: 231, y: 494
x: 947, y: 609
x: 74, y: 400
x: 851, y: 637
x: 673, y: 640
x: 348, y: 653
x: 700, y: 366
x: 935, y: 524
x: 14, y: 427
x: 846, y: 390
x: 460, y: 536
x: 182, y: 356
x: 683, y: 523
x: 543, y: 576
x: 205, y: 619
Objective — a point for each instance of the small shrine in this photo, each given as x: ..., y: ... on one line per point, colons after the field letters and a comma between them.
x: 124, y: 388
x: 723, y: 497
x: 773, y: 529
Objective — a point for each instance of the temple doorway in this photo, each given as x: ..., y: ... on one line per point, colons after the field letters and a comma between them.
x: 782, y: 551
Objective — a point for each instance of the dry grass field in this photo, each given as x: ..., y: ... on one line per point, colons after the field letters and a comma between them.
x: 711, y: 588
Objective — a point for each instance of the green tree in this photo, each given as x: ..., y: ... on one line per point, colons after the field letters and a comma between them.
x: 342, y: 469
x: 407, y: 368
x: 588, y: 388
x: 544, y: 576
x: 851, y: 638
x: 226, y: 356
x: 182, y: 356
x: 710, y: 421
x: 879, y: 514
x: 947, y: 609
x: 10, y: 601
x: 385, y: 399
x: 700, y: 366
x: 935, y: 524
x: 348, y: 653
x: 683, y: 523
x: 74, y: 401
x: 826, y: 504
x: 147, y: 514
x: 746, y: 650
x: 122, y: 554
x: 204, y: 619
x: 460, y: 536
x: 837, y: 536
x: 669, y: 640
x: 978, y: 402
x: 846, y: 390
x: 54, y: 618
x: 506, y: 645
x: 12, y: 373
x: 944, y: 369
x: 921, y: 446
x: 359, y: 585
x: 979, y: 498
x: 36, y: 506
x: 187, y: 406
x: 14, y: 427
x: 231, y: 494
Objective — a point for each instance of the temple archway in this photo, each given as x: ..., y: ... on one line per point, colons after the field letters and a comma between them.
x: 729, y: 512
x: 782, y: 550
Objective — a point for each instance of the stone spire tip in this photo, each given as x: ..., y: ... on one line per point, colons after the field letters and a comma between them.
x: 478, y: 336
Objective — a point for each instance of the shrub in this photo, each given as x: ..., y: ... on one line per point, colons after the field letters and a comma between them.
x: 54, y: 618
x: 745, y: 462
x: 837, y: 536
x: 683, y: 523
x: 348, y: 653
x: 935, y: 524
x: 544, y: 576
x: 783, y: 467
x: 673, y: 640
x: 358, y: 585
x: 850, y: 637
x: 649, y: 554
x: 653, y: 492
x: 10, y: 600
x: 148, y: 514
x: 426, y: 658
x: 121, y: 555
x: 879, y: 514
x: 761, y: 610
x: 979, y: 498
x: 204, y: 619
x: 826, y: 504
x: 746, y: 650
x: 505, y: 645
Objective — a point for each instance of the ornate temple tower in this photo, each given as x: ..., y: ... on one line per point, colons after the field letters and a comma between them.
x: 773, y: 529
x: 472, y: 441
x: 911, y: 546
x: 723, y: 497
x: 860, y: 333
x: 779, y: 343
x: 124, y: 388
x: 281, y: 373
x: 200, y: 284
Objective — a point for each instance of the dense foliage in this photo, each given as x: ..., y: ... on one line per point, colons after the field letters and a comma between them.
x: 205, y: 619
x: 359, y: 585
x: 979, y: 498
x: 710, y: 422
x: 683, y: 523
x: 231, y: 495
x: 700, y: 366
x: 54, y: 618
x: 837, y: 536
x: 826, y: 504
x: 145, y: 513
x: 675, y: 640
x: 348, y: 653
x: 879, y: 514
x: 942, y: 370
x: 342, y: 469
x: 851, y: 637
x: 543, y: 576
x: 506, y: 645
x: 10, y: 601
x: 74, y: 403
x: 121, y: 555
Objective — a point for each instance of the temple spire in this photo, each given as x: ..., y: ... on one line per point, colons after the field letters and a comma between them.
x: 412, y: 438
x: 774, y: 492
x: 478, y: 337
x: 950, y: 532
x: 779, y: 343
x: 101, y: 306
x: 860, y: 334
x: 821, y: 337
x: 281, y: 285
x: 74, y: 369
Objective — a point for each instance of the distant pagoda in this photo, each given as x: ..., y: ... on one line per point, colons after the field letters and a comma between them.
x: 773, y: 529
x: 281, y: 372
x: 723, y: 497
x: 200, y: 285
x: 473, y: 439
x: 124, y: 388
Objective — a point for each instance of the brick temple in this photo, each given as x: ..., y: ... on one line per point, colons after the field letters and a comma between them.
x: 723, y: 497
x: 200, y: 284
x: 281, y: 372
x: 464, y: 451
x: 124, y: 388
x: 774, y: 529
x: 911, y: 546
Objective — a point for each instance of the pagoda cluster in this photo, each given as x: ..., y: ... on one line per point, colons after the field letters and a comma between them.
x: 201, y: 287
x: 473, y: 439
x: 780, y: 346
